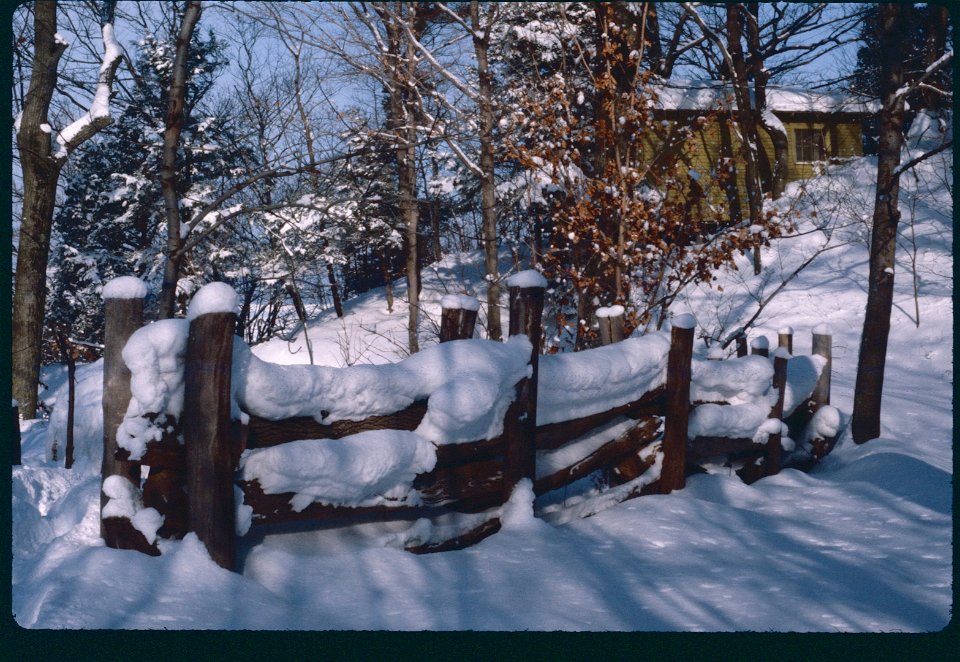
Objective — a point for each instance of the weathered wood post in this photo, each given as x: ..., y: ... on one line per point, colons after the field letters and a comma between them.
x: 760, y: 346
x: 211, y: 512
x: 673, y: 471
x: 458, y: 317
x: 15, y: 433
x: 526, y: 308
x: 785, y: 339
x: 822, y: 346
x: 741, y: 344
x: 123, y: 314
x: 773, y: 455
x: 611, y: 322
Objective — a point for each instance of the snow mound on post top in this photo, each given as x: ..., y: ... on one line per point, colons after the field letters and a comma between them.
x: 125, y: 287
x: 528, y: 278
x: 459, y: 302
x: 578, y: 384
x: 213, y: 298
x: 364, y: 469
x: 469, y: 384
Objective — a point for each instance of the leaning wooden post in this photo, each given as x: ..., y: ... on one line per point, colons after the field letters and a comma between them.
x: 760, y: 346
x: 610, y: 321
x: 785, y: 339
x: 123, y: 314
x: 773, y: 455
x: 526, y: 308
x: 673, y: 470
x: 822, y: 346
x: 458, y: 317
x: 211, y: 511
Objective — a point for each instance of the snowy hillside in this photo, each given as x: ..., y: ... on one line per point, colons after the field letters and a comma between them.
x: 863, y: 543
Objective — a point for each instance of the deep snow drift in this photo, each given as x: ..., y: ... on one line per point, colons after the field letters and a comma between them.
x: 863, y: 543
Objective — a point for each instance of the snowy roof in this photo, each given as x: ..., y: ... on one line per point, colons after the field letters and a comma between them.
x: 707, y: 94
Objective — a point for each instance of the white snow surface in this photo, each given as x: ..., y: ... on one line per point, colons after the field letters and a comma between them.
x: 365, y: 469
x: 678, y: 94
x: 527, y: 278
x: 213, y: 298
x: 862, y: 543
x: 125, y: 287
x: 459, y: 302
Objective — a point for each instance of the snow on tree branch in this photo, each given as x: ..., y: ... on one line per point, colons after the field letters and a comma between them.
x: 98, y: 115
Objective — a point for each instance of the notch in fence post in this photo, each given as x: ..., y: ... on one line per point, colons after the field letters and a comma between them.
x: 741, y: 344
x: 785, y: 339
x: 773, y: 454
x: 760, y: 346
x: 123, y: 314
x: 211, y: 511
x: 822, y: 346
x: 458, y: 317
x: 526, y: 308
x: 673, y: 470
x: 611, y: 323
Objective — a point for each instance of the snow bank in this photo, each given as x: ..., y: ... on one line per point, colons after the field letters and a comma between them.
x: 469, y: 384
x: 736, y: 381
x: 87, y: 419
x: 578, y: 384
x: 729, y: 421
x: 368, y: 468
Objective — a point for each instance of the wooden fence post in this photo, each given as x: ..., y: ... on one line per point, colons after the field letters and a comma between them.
x: 611, y: 324
x: 520, y: 427
x: 123, y: 314
x: 785, y: 338
x: 16, y: 434
x: 673, y: 470
x: 773, y: 455
x: 760, y: 346
x: 458, y: 317
x: 822, y: 346
x: 211, y: 511
x: 741, y: 344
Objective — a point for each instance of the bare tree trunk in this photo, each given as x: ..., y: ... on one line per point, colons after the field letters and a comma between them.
x: 774, y: 129
x: 168, y: 171
x: 40, y: 170
x: 886, y: 215
x: 747, y: 120
x: 481, y: 44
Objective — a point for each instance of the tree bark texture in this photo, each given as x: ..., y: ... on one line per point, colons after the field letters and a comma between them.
x: 886, y: 215
x: 173, y: 123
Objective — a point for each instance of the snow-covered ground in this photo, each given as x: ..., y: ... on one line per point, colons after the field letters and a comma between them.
x: 863, y: 543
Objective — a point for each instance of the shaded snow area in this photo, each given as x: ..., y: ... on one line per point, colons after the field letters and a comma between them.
x: 862, y: 543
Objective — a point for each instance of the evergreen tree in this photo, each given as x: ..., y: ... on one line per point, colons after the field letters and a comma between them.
x: 111, y: 222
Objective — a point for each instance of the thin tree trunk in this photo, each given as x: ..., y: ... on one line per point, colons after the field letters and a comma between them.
x: 886, y: 215
x: 481, y: 44
x: 168, y: 171
x: 778, y: 173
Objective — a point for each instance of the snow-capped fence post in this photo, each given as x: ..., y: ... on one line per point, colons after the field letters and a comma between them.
x: 210, y: 460
x: 526, y: 308
x: 123, y: 314
x: 741, y: 344
x: 458, y: 317
x: 822, y: 346
x: 673, y: 470
x: 785, y: 338
x: 773, y: 453
x: 760, y: 346
x: 611, y: 324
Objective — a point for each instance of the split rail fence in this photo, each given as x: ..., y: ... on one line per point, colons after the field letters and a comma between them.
x: 193, y: 480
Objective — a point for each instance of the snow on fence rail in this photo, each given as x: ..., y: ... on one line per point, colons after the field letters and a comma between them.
x: 441, y: 438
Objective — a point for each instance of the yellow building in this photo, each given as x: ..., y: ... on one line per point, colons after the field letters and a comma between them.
x: 820, y: 126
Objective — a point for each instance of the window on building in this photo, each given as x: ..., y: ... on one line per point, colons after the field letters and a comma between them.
x: 810, y: 145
